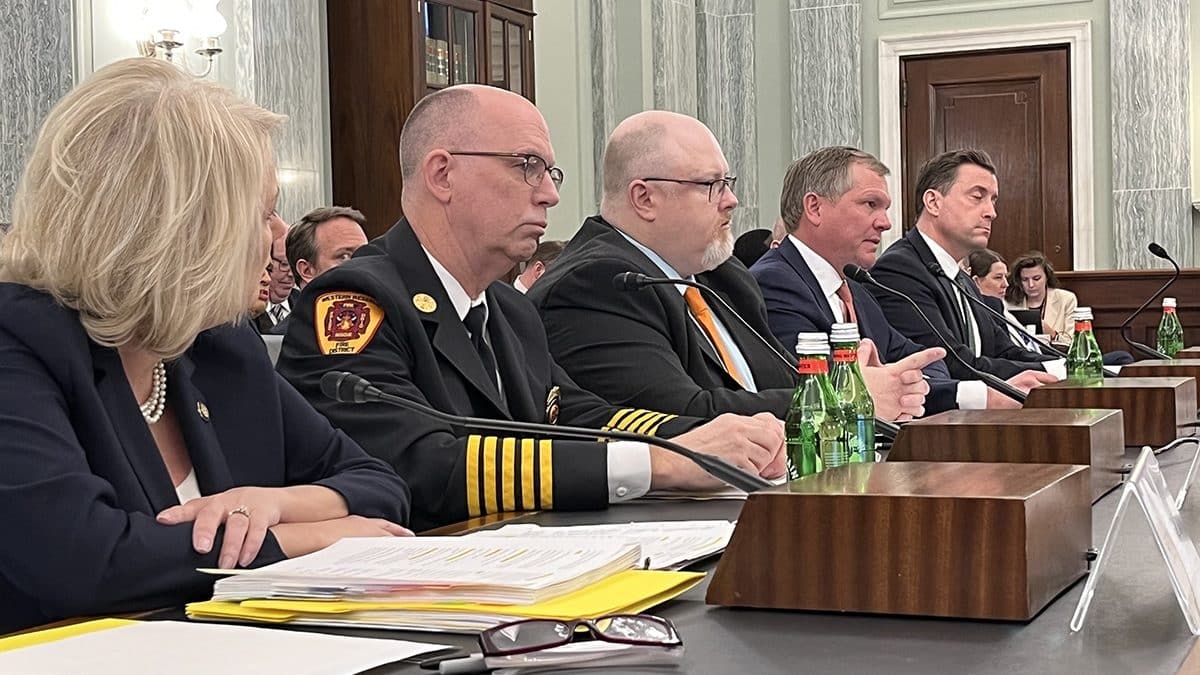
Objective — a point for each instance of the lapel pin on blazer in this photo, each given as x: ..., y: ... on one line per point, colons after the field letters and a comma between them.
x: 552, y: 400
x: 202, y: 410
x: 424, y: 303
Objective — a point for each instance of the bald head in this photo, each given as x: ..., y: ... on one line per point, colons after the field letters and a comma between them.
x: 652, y: 143
x: 454, y: 118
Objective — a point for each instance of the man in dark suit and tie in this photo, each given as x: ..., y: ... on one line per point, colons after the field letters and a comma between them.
x: 955, y: 201
x: 834, y: 207
x: 668, y: 199
x: 421, y: 312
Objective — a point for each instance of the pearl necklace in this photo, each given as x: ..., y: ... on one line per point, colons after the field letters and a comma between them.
x: 152, y: 409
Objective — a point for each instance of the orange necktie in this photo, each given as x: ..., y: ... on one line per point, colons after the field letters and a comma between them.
x: 700, y: 310
x: 843, y: 293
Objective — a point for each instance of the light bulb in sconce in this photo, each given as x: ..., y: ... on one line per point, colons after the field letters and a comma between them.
x: 207, y: 19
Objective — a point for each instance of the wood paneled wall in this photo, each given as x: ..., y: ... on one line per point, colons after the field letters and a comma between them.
x: 1114, y: 294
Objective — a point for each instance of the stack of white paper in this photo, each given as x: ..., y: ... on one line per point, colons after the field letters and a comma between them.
x: 182, y: 648
x: 666, y: 545
x: 435, y: 569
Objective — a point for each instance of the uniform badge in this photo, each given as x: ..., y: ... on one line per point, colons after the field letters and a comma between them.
x: 202, y: 410
x: 424, y: 303
x: 347, y: 323
x: 552, y: 406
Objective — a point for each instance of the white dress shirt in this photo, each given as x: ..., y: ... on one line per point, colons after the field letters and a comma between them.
x: 1057, y: 367
x: 628, y: 461
x: 969, y: 394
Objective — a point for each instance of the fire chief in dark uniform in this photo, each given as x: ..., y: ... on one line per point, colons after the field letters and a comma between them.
x: 419, y: 312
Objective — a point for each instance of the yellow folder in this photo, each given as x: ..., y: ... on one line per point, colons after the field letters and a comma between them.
x: 631, y: 591
x: 52, y: 634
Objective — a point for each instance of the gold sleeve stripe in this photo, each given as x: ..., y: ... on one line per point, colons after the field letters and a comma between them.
x: 473, y: 476
x: 650, y: 422
x: 634, y: 421
x: 508, y: 477
x: 546, y: 473
x: 489, y: 475
x: 653, y: 431
x: 615, y: 422
x: 528, y: 499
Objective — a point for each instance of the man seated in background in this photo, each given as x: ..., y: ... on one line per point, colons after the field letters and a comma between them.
x: 323, y: 239
x: 834, y: 206
x: 421, y: 314
x: 283, y: 285
x: 956, y: 206
x: 665, y: 213
x: 533, y: 269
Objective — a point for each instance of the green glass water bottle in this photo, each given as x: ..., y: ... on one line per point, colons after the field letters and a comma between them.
x: 1085, y: 362
x: 858, y: 408
x: 1170, y: 331
x: 815, y: 436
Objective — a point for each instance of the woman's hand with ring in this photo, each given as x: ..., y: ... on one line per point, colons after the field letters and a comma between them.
x: 246, y: 512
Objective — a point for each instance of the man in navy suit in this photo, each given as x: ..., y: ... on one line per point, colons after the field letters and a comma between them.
x: 834, y: 207
x: 955, y: 203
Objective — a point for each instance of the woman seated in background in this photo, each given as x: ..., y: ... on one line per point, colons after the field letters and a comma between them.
x: 131, y: 381
x: 1033, y: 285
x: 990, y: 273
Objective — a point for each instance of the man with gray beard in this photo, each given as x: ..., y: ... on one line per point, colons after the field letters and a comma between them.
x: 665, y: 213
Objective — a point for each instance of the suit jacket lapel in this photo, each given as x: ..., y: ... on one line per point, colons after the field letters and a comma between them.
x: 674, y: 298
x: 131, y: 430
x: 792, y: 256
x: 447, y: 332
x: 925, y: 255
x: 510, y: 359
x: 204, y: 448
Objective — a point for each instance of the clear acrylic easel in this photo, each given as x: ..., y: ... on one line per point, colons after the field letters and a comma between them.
x: 1147, y: 486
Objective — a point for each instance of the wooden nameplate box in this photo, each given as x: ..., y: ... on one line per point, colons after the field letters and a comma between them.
x: 1156, y: 408
x: 1047, y: 436
x: 970, y: 540
x: 1180, y: 367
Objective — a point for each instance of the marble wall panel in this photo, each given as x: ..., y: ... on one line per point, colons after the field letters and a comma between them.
x: 1143, y: 216
x: 673, y: 47
x: 1150, y: 130
x: 287, y: 78
x: 36, y: 70
x: 826, y: 71
x: 604, y: 80
x: 726, y: 94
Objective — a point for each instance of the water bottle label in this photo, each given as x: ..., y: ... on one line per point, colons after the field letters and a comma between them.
x: 813, y: 366
x: 1168, y: 310
x: 1081, y: 326
x: 845, y: 355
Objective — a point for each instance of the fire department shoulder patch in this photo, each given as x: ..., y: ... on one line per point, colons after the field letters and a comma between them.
x: 346, y: 322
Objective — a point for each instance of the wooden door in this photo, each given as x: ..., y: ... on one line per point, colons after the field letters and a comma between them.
x: 1015, y: 105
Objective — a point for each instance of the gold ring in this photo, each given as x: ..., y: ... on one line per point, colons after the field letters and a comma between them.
x: 240, y: 510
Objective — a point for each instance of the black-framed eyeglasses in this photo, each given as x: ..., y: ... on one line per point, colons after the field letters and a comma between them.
x: 727, y: 182
x: 530, y: 635
x: 535, y: 167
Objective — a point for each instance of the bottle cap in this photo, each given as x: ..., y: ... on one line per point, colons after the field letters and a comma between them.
x: 812, y: 343
x: 843, y: 332
x: 1082, y: 314
x: 1169, y: 302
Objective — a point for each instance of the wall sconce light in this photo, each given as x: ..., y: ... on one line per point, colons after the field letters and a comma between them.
x: 162, y: 32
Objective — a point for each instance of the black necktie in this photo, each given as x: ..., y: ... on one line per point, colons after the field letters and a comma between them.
x: 961, y: 280
x: 474, y: 321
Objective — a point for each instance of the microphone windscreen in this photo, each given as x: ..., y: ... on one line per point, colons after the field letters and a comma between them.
x: 331, y: 382
x: 852, y: 271
x: 625, y: 281
x: 1158, y: 250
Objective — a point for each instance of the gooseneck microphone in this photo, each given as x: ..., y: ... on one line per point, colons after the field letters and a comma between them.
x: 636, y: 281
x: 966, y: 292
x: 1160, y: 252
x: 350, y: 388
x: 862, y: 276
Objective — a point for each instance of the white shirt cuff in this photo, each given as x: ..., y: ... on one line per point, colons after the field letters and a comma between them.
x: 1057, y: 368
x: 628, y: 470
x: 971, y: 395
